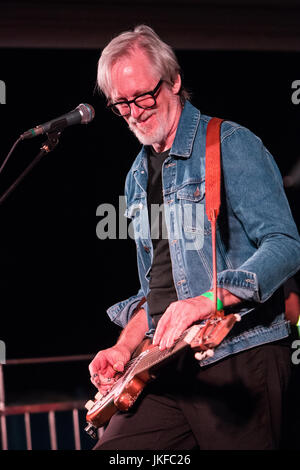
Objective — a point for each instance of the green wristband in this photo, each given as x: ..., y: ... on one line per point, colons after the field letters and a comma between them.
x: 210, y: 295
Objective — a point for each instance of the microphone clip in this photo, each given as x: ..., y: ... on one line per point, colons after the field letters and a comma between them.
x: 52, y: 141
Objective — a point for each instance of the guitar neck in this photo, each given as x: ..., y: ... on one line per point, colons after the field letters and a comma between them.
x: 154, y: 356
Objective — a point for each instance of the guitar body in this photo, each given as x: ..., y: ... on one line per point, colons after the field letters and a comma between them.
x: 122, y: 396
x: 137, y: 373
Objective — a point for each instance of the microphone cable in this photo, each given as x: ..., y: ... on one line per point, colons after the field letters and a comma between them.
x: 9, y: 154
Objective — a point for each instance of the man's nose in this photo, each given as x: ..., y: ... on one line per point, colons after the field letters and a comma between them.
x: 136, y: 111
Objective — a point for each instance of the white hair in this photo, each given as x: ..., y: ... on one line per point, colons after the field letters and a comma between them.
x: 161, y: 55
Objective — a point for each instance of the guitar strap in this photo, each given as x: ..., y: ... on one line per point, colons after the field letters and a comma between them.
x: 212, y: 188
x: 212, y: 192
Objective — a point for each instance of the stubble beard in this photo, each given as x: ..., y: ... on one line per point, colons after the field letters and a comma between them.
x: 149, y: 136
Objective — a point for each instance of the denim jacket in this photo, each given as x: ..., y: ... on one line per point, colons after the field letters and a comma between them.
x: 258, y: 246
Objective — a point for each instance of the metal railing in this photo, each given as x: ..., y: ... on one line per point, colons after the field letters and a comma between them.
x: 50, y: 408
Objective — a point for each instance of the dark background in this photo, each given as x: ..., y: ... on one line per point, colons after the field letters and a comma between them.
x: 239, y: 64
x: 54, y: 291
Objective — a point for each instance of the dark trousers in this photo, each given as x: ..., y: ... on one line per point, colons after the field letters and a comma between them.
x: 234, y: 404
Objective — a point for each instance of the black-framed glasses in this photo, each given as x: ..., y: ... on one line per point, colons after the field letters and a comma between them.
x: 145, y: 101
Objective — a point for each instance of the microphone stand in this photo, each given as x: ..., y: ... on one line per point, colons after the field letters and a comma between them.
x: 47, y: 147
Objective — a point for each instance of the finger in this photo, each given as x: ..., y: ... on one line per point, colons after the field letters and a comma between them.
x: 161, y: 327
x: 92, y: 369
x: 169, y: 338
x: 107, y: 383
x: 107, y: 380
x: 157, y: 335
x: 179, y: 326
x: 162, y: 344
x: 95, y: 380
x: 102, y: 389
x: 98, y: 363
x: 118, y: 366
x: 178, y: 322
x: 172, y: 337
x: 103, y: 384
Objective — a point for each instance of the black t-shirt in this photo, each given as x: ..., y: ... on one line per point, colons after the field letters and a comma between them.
x: 162, y: 289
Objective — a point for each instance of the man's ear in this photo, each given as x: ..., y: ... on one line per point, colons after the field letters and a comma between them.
x: 176, y: 85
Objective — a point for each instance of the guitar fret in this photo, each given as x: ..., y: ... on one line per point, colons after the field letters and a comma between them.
x: 155, y: 355
x: 150, y: 358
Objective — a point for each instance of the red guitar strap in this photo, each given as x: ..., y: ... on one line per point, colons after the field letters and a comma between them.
x: 212, y: 187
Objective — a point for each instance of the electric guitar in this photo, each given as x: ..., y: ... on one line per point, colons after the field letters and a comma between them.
x: 139, y: 370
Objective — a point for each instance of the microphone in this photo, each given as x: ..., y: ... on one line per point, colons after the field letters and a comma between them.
x: 83, y: 114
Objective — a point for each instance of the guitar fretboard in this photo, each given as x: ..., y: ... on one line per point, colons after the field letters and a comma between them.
x: 154, y: 356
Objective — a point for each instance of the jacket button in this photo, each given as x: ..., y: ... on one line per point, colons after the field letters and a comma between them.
x: 147, y: 249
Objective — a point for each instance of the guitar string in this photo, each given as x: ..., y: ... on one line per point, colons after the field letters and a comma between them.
x: 154, y: 356
x: 150, y: 358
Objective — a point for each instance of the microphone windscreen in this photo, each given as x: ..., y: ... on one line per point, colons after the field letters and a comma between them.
x: 87, y: 112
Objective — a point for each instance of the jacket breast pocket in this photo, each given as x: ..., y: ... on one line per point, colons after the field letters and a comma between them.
x: 190, y: 214
x: 138, y: 213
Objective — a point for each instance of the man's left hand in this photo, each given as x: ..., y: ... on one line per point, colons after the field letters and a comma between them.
x: 178, y: 317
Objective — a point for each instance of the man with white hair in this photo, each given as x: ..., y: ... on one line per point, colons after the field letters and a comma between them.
x: 232, y: 400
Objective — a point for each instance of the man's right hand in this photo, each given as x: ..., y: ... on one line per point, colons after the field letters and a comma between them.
x: 106, y: 366
x: 108, y: 363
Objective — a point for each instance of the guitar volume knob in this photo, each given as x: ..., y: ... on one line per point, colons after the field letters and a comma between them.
x: 89, y: 404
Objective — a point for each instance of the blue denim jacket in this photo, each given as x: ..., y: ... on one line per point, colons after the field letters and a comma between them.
x: 258, y: 246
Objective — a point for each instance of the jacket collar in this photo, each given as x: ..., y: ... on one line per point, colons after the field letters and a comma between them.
x: 186, y: 131
x: 184, y: 138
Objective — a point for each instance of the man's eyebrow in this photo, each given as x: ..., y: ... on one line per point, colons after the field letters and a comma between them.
x: 137, y: 93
